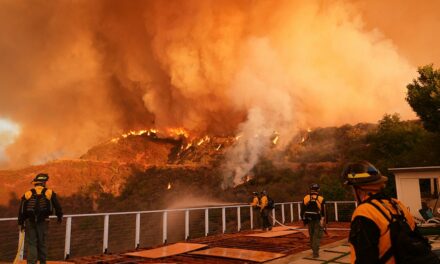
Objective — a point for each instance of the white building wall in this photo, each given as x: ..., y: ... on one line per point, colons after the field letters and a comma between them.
x: 408, y: 188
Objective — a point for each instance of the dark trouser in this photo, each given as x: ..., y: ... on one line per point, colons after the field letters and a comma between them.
x: 36, y: 233
x: 256, y: 216
x: 265, y: 218
x: 315, y: 234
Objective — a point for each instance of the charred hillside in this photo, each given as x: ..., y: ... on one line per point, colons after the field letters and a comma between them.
x: 149, y: 149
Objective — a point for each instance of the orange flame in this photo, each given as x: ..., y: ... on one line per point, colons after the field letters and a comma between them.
x: 152, y: 131
x: 275, y: 140
x: 178, y: 132
x: 203, y: 140
x: 134, y: 133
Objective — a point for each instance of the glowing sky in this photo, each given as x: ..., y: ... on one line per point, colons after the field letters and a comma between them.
x: 76, y: 73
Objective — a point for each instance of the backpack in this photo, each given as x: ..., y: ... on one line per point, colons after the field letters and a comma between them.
x: 311, y: 209
x: 407, y: 246
x: 270, y: 203
x: 38, y: 206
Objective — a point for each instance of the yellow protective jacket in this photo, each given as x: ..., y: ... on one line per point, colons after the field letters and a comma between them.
x: 255, y: 201
x: 319, y: 201
x: 50, y: 196
x: 263, y: 202
x: 370, y: 212
x: 27, y: 195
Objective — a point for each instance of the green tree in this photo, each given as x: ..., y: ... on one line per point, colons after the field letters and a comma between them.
x: 392, y: 140
x: 424, y: 97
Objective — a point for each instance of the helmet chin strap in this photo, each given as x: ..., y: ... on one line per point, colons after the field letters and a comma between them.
x: 358, y: 198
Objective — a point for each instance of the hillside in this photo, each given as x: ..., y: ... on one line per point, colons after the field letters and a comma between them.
x: 113, y: 171
x: 110, y: 163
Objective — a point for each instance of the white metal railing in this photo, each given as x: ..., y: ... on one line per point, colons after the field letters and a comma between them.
x: 279, y: 207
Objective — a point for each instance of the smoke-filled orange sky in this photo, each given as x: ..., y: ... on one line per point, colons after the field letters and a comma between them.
x: 74, y: 73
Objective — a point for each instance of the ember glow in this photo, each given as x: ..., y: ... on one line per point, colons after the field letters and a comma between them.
x: 97, y: 69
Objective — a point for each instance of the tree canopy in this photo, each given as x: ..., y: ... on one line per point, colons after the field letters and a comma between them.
x: 424, y: 97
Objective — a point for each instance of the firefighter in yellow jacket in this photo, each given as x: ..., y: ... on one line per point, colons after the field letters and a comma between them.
x: 265, y: 211
x: 36, y: 206
x: 370, y: 238
x: 313, y: 215
x: 255, y: 208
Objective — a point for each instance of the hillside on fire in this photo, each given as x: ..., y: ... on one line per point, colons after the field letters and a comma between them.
x: 145, y: 169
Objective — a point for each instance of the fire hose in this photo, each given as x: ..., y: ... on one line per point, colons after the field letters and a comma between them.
x: 20, y: 247
x: 305, y: 229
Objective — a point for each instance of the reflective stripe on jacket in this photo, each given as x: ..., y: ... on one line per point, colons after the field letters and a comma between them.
x: 369, y: 211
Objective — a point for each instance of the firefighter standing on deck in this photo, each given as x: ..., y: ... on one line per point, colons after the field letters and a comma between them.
x: 372, y: 236
x: 255, y: 206
x: 264, y: 211
x: 313, y: 214
x: 35, y: 207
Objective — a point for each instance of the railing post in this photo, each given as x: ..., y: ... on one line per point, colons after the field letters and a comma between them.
x: 251, y: 213
x: 186, y: 224
x: 273, y: 217
x: 206, y: 222
x: 283, y: 218
x: 223, y: 220
x: 164, y: 227
x: 238, y: 219
x: 138, y: 231
x: 67, y: 238
x: 105, y: 240
x: 336, y: 212
x: 299, y: 212
x: 291, y: 212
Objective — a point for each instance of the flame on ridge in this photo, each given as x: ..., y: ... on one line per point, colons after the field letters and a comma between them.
x: 172, y: 132
x: 178, y: 132
x: 203, y: 140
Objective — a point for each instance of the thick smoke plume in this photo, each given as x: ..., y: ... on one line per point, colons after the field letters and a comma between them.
x: 73, y: 74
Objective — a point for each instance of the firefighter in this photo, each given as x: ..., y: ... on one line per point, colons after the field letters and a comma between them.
x: 265, y: 211
x: 371, y: 232
x: 255, y: 206
x: 313, y: 215
x: 36, y: 206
